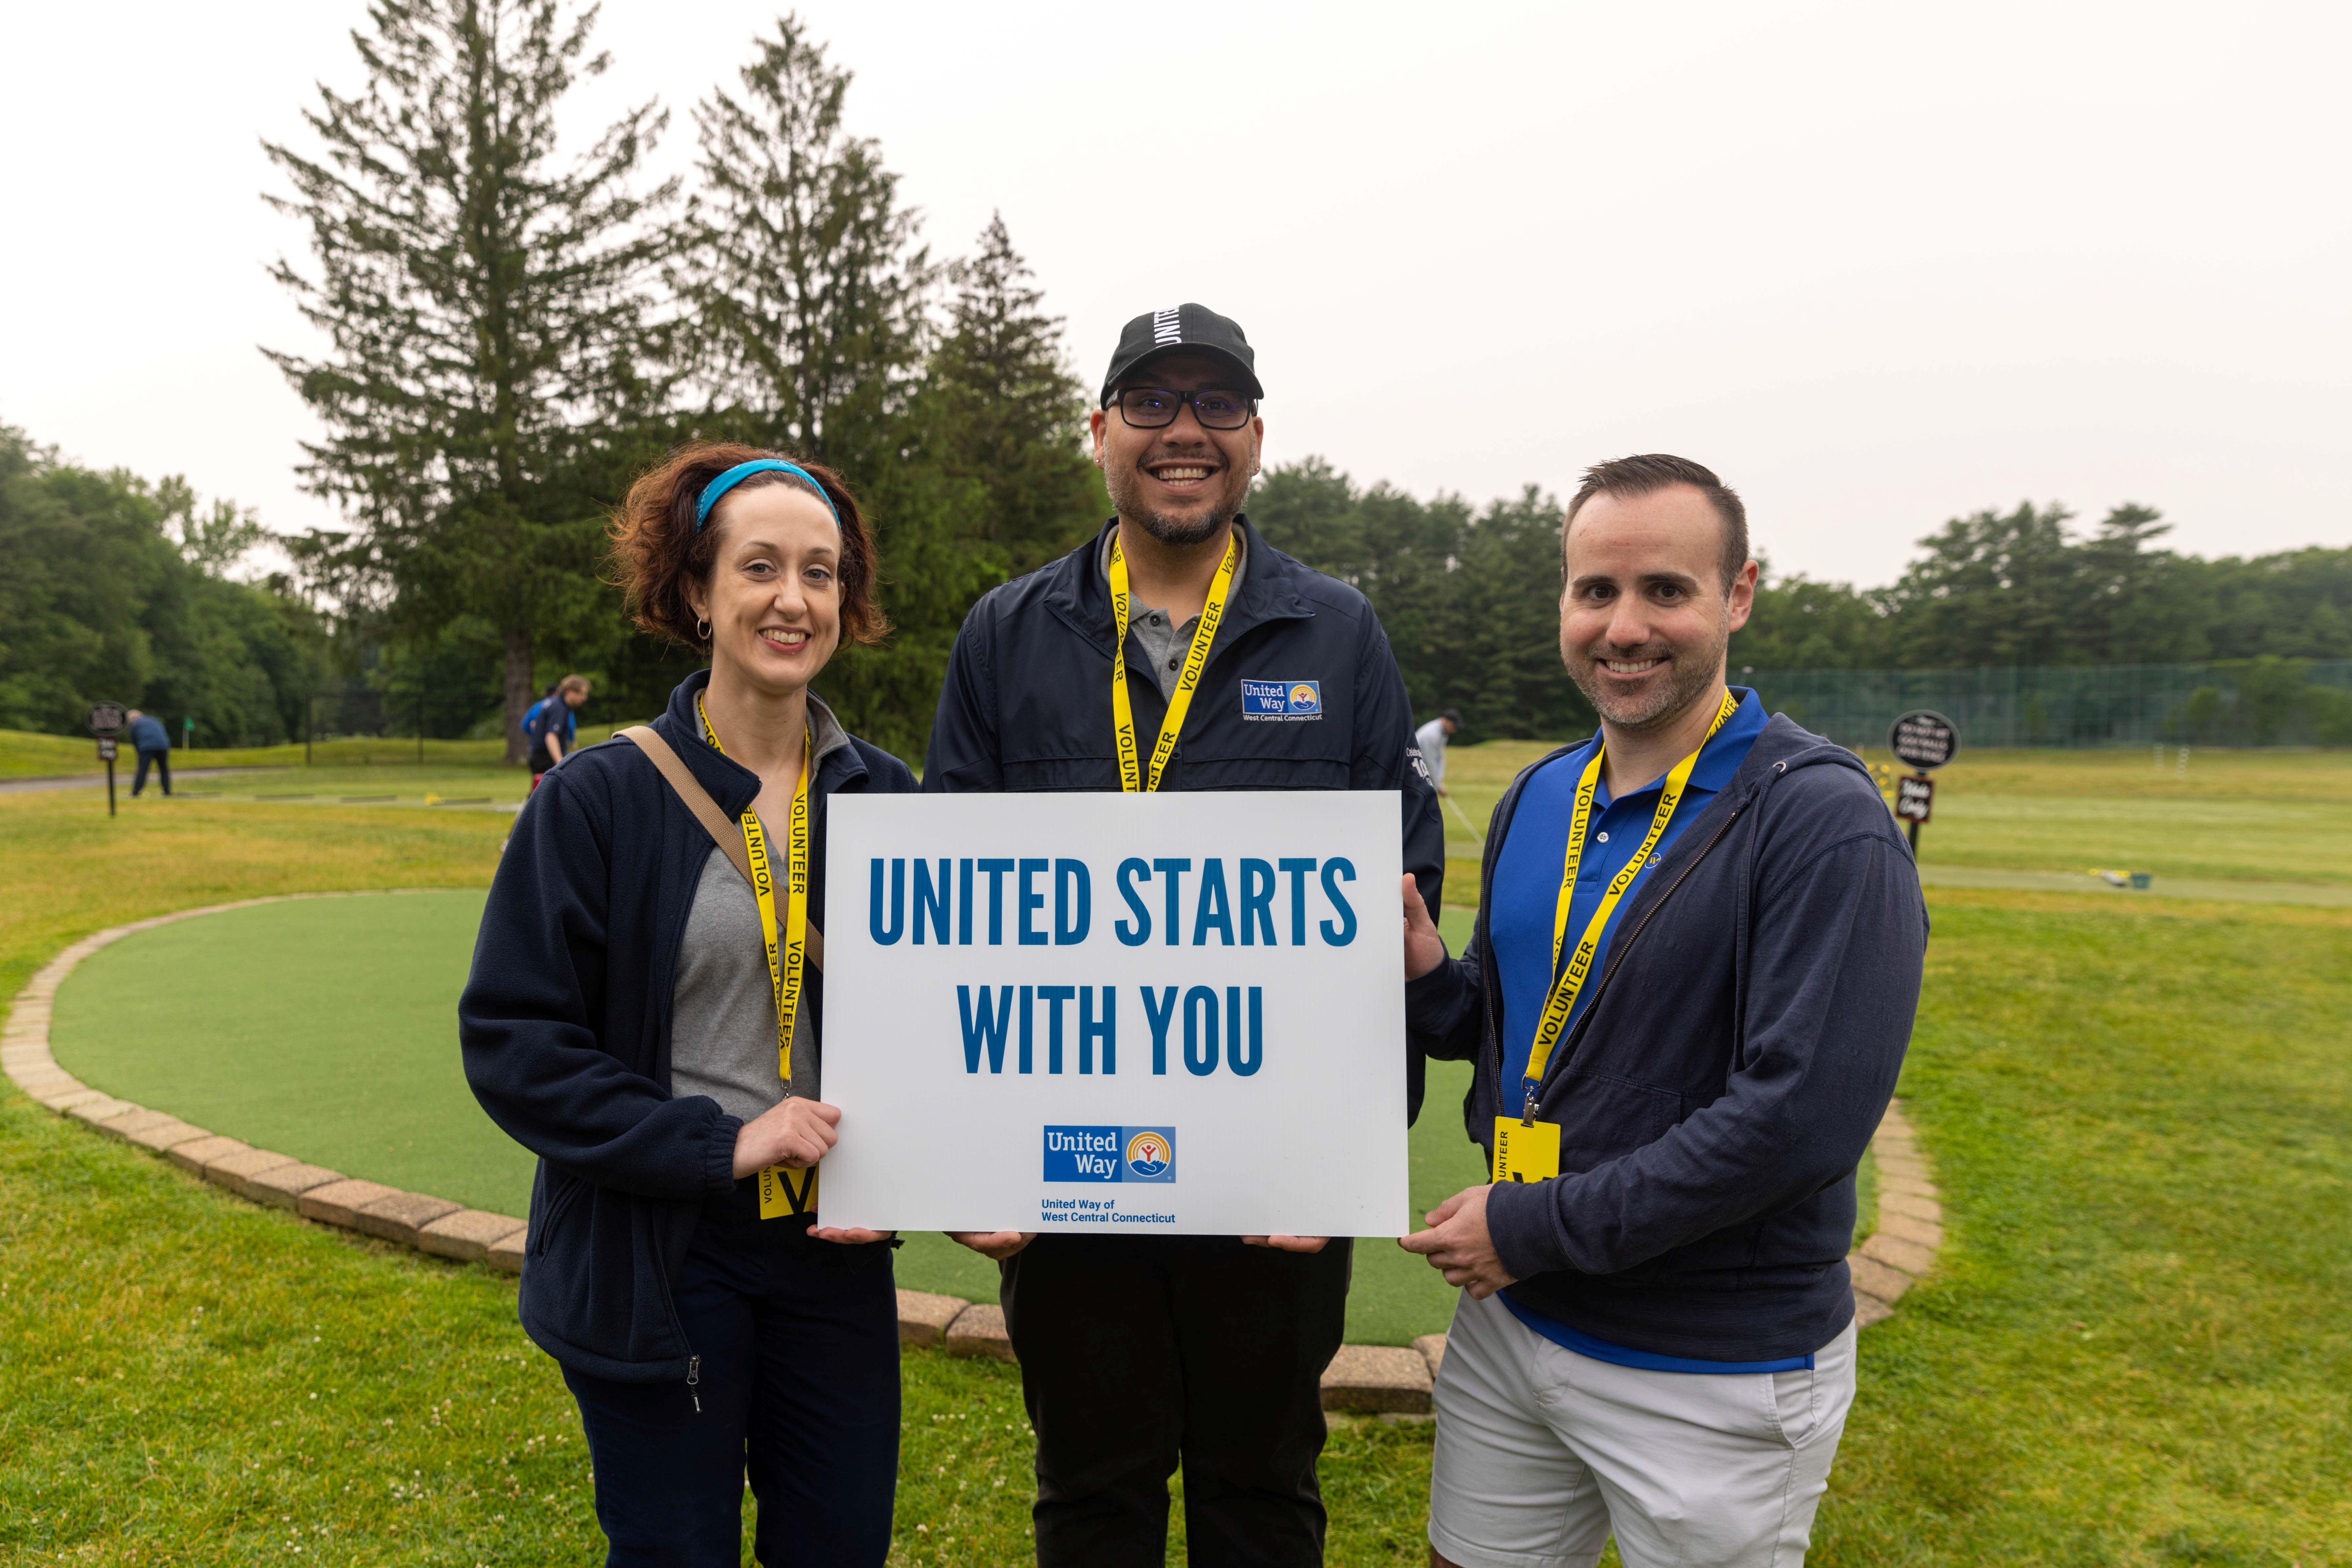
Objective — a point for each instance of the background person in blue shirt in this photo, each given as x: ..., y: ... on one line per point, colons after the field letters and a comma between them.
x: 552, y: 725
x: 1656, y: 1336
x: 154, y: 745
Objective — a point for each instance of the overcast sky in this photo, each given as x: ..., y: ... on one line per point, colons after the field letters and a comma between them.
x: 1877, y: 265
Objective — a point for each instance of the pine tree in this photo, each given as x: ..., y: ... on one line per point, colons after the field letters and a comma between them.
x: 1007, y: 414
x: 803, y: 281
x: 493, y: 361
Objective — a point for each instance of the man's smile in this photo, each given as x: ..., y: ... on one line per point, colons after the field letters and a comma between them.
x: 1182, y: 475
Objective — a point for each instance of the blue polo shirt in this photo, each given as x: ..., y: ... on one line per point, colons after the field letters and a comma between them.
x: 1525, y: 893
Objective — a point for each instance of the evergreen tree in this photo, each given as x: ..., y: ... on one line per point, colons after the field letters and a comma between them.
x: 805, y: 284
x: 1993, y: 588
x: 492, y: 364
x: 1006, y: 414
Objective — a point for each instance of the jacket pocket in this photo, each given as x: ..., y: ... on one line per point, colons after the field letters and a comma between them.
x: 1603, y: 1118
x: 552, y: 1197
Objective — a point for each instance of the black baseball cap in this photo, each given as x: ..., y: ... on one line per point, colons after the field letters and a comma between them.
x: 1181, y: 328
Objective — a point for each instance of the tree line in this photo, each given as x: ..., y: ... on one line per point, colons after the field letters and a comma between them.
x: 114, y: 587
x: 510, y: 333
x: 1471, y: 597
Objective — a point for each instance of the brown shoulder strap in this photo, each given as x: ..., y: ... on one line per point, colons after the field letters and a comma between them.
x: 698, y: 800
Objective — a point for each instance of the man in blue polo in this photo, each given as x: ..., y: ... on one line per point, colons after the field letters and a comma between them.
x: 1236, y: 668
x: 1696, y: 964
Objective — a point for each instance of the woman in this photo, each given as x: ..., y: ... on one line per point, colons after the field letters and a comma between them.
x: 622, y: 1023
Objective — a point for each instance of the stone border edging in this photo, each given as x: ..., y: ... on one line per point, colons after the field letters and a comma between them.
x: 1385, y: 1380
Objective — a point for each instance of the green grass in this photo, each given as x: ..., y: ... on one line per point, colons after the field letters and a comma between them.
x: 2266, y: 816
x: 327, y: 1029
x: 2136, y: 1349
x: 2134, y: 1352
x: 323, y: 1028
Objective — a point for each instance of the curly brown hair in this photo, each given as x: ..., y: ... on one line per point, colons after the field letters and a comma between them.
x: 657, y: 552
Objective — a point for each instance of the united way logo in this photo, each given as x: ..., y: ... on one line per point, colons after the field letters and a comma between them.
x: 1110, y: 1154
x: 1282, y: 700
x: 1150, y: 1154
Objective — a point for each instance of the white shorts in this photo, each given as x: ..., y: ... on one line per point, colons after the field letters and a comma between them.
x: 1542, y: 1453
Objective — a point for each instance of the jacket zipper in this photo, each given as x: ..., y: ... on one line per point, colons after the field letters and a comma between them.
x: 1617, y: 949
x: 694, y: 1376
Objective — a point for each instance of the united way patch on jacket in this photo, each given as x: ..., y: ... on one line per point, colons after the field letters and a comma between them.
x: 1281, y: 700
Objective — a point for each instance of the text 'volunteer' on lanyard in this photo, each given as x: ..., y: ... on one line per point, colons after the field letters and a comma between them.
x: 1562, y: 1000
x: 1132, y: 778
x: 779, y: 1198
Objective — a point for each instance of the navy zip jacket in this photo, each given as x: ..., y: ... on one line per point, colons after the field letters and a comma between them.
x: 1027, y: 701
x: 1716, y: 1091
x: 566, y: 1025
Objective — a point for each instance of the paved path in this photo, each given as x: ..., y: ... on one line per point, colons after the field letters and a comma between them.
x: 1935, y: 876
x: 98, y: 780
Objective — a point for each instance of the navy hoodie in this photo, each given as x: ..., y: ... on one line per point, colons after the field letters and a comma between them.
x: 1714, y: 1095
x: 565, y: 1024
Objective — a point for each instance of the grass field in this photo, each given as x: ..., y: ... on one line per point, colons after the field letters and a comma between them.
x: 326, y: 1029
x: 2252, y: 817
x: 2134, y: 1352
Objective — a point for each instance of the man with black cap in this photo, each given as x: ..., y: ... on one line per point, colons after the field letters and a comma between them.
x: 1175, y: 651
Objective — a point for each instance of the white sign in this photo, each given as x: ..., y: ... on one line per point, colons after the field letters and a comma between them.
x: 1167, y: 1015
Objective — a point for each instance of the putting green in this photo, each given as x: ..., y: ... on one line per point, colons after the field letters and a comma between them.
x: 326, y: 1028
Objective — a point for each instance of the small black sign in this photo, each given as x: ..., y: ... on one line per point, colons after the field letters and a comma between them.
x: 107, y: 717
x: 1915, y: 798
x: 106, y: 749
x: 1924, y: 739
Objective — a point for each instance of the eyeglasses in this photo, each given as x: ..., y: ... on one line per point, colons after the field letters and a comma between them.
x: 1149, y: 407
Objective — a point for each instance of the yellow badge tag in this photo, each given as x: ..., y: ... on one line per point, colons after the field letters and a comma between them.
x: 785, y: 1193
x: 1526, y: 1152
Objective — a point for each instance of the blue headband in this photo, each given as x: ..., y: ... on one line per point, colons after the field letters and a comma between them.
x: 741, y: 471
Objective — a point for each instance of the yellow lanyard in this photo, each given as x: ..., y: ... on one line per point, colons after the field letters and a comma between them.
x: 1122, y: 707
x: 1562, y: 1001
x: 784, y: 967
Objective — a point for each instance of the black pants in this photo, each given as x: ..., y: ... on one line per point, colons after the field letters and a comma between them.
x: 162, y: 760
x: 1140, y: 1352
x: 798, y: 1382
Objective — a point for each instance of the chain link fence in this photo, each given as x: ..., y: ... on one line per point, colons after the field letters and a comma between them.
x: 2235, y: 702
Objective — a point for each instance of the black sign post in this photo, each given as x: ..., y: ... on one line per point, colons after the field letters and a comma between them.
x: 1926, y: 739
x: 106, y: 721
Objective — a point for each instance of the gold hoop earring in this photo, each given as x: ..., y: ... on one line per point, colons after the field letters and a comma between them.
x: 702, y: 630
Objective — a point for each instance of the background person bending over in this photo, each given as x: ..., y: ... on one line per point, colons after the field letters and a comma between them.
x: 552, y: 725
x: 1657, y: 1331
x: 154, y: 745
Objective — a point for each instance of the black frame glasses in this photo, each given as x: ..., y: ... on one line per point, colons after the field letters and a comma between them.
x: 1241, y: 401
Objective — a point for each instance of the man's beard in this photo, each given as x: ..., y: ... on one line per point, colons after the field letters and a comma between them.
x: 1692, y: 675
x: 1173, y: 532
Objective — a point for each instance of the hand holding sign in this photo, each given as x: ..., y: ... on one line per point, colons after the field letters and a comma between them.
x: 793, y: 1133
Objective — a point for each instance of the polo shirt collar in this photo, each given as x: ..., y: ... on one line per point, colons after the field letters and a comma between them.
x: 1718, y: 759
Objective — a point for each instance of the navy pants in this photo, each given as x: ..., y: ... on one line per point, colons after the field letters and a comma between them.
x: 162, y: 760
x: 1142, y: 1352
x: 797, y: 1378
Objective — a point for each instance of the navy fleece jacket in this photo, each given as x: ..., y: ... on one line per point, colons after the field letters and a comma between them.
x: 565, y: 1022
x: 1716, y: 1093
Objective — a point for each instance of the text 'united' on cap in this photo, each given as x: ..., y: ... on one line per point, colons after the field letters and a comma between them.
x: 1181, y: 328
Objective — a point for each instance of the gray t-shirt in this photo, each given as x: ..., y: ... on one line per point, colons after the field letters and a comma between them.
x: 1162, y: 645
x: 722, y: 1003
